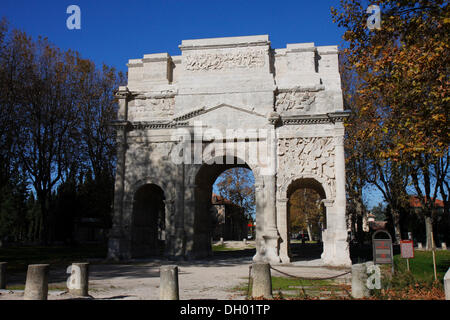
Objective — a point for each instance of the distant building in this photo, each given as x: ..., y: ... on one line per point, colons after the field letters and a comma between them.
x: 415, y: 205
x: 414, y: 220
x: 229, y: 219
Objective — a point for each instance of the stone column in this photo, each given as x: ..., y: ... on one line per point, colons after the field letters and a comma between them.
x: 282, y: 222
x: 173, y: 226
x: 117, y: 246
x: 447, y: 285
x: 178, y: 212
x: 259, y: 229
x: 189, y: 219
x: 168, y: 288
x: 271, y: 237
x: 3, y: 275
x: 359, y: 281
x: 80, y: 278
x: 336, y: 221
x: 36, y: 286
x: 261, y: 280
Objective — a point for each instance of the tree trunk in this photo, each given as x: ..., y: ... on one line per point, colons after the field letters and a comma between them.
x: 396, y: 221
x: 308, y: 228
x: 428, y: 230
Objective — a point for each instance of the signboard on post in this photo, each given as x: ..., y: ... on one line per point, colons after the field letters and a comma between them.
x: 407, y: 249
x: 382, y: 249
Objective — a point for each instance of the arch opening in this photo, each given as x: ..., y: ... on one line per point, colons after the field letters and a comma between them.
x: 219, y: 214
x: 306, y: 219
x: 148, y: 222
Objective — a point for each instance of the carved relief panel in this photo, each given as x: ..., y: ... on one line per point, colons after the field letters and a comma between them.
x: 151, y: 109
x: 309, y: 157
x: 226, y: 60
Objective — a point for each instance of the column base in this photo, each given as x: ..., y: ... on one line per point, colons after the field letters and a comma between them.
x: 336, y: 253
x: 118, y: 249
x: 271, y: 249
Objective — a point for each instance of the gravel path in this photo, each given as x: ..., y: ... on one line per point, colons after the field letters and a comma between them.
x: 215, y: 278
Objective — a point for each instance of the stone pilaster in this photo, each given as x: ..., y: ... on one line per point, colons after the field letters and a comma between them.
x: 337, y: 252
x: 282, y: 222
x: 118, y: 246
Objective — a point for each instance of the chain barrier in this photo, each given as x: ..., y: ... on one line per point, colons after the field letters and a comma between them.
x: 306, y: 278
x: 292, y: 276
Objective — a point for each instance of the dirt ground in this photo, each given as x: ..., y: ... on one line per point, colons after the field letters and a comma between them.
x: 215, y: 278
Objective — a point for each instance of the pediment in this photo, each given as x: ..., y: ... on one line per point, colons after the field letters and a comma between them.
x: 224, y: 116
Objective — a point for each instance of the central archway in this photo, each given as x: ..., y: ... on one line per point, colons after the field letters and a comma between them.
x: 203, y: 220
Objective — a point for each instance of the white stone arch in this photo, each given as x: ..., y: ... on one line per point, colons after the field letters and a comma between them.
x: 283, y: 188
x: 167, y: 188
x: 200, y: 192
x: 282, y: 209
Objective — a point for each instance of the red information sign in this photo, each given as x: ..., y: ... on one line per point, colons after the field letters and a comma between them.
x: 407, y: 249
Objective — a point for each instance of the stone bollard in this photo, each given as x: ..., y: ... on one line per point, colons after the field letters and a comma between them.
x: 447, y: 285
x: 3, y: 275
x: 444, y: 246
x: 261, y: 280
x: 36, y: 286
x: 78, y: 282
x: 221, y: 241
x: 419, y: 245
x: 244, y: 241
x: 168, y: 287
x: 359, y: 281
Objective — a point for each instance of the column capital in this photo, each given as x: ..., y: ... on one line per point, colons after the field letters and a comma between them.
x: 339, y: 140
x: 327, y: 203
x: 122, y: 93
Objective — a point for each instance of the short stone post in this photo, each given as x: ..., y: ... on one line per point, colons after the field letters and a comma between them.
x: 244, y: 241
x: 261, y: 280
x: 78, y: 282
x: 359, y: 281
x: 221, y: 241
x: 447, y: 285
x: 3, y: 275
x: 36, y: 286
x: 168, y: 287
x: 419, y: 245
x: 444, y: 246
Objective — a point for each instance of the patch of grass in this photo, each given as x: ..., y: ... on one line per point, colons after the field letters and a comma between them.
x: 19, y: 258
x: 50, y: 288
x: 222, y: 247
x: 421, y: 267
x: 290, y: 284
x: 282, y: 283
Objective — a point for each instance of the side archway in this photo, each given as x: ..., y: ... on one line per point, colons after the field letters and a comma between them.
x: 287, y: 191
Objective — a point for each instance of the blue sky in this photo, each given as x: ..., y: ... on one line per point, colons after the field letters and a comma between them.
x: 114, y: 31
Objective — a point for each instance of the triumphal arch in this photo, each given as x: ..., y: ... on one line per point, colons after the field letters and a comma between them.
x: 225, y: 103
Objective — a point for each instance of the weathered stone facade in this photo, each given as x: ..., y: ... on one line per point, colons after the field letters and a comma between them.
x: 286, y: 102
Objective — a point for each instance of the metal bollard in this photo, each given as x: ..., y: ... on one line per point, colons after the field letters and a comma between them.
x: 261, y: 280
x: 36, y: 286
x: 168, y: 287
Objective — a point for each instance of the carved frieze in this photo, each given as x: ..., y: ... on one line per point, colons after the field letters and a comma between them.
x: 230, y: 60
x: 309, y: 157
x: 294, y: 100
x: 148, y: 109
